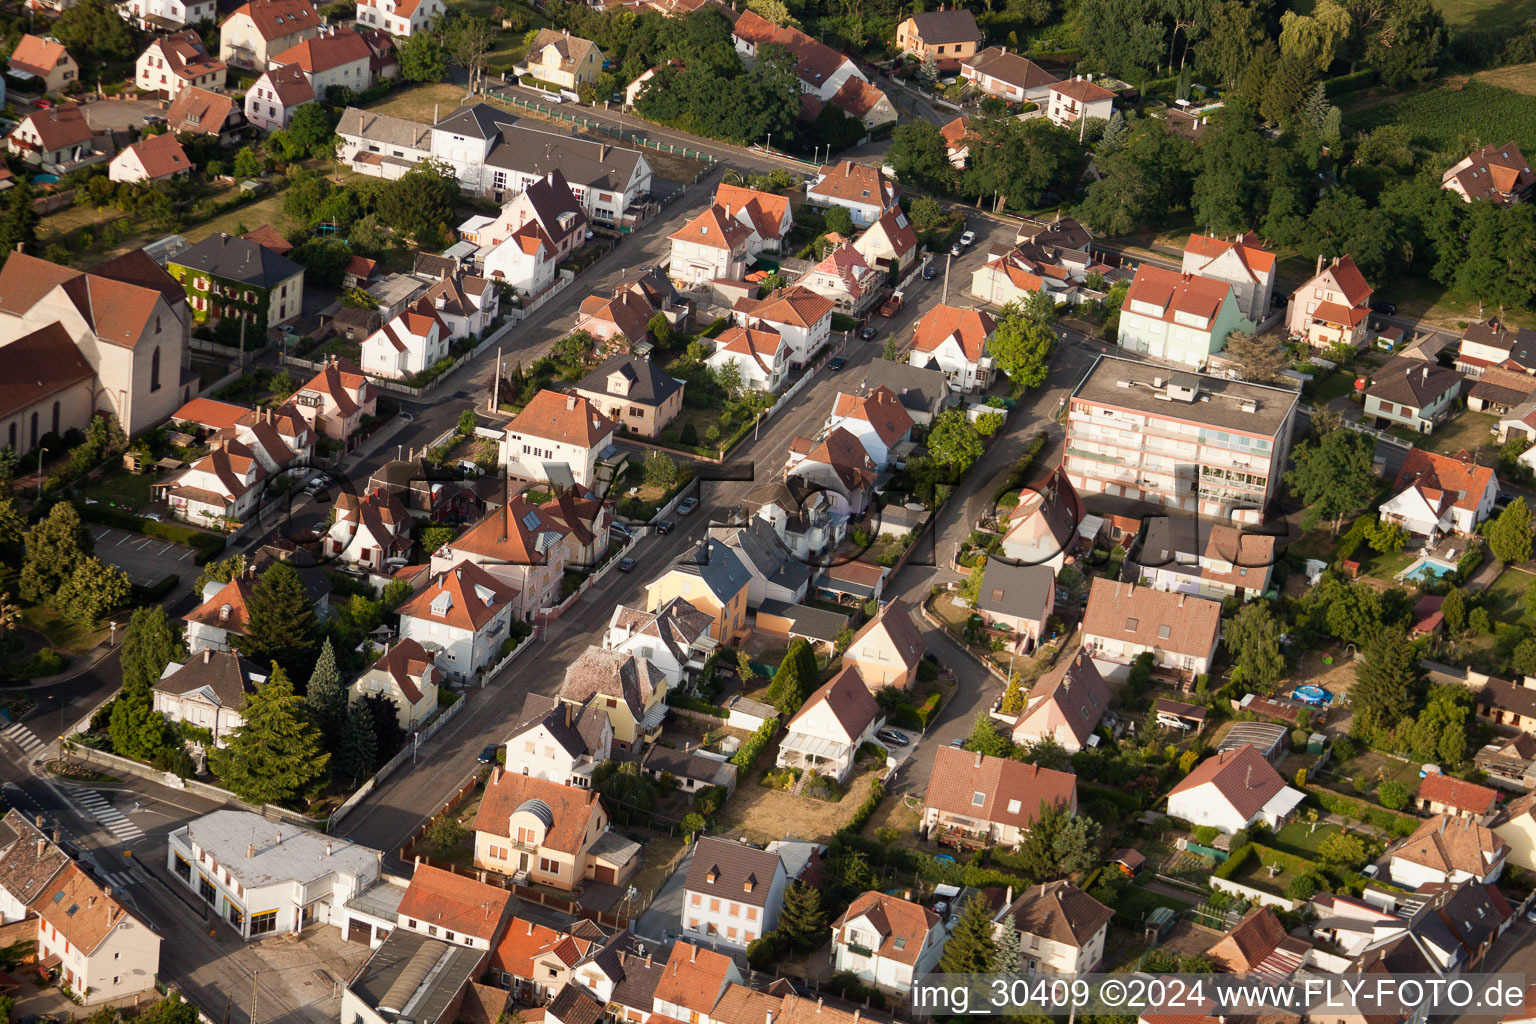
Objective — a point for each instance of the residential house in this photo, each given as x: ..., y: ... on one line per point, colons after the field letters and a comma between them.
x: 369, y: 531
x: 878, y: 419
x: 446, y: 905
x: 334, y: 59
x: 954, y: 340
x: 1046, y: 525
x: 560, y: 741
x: 713, y: 580
x: 1259, y: 945
x: 1413, y: 393
x: 1078, y: 98
x: 997, y: 72
x: 1124, y: 621
x: 89, y: 942
x: 199, y: 111
x: 336, y: 399
x: 464, y: 612
x: 1181, y: 318
x: 732, y: 894
x: 556, y: 438
x: 261, y: 29
x: 802, y: 517
x: 1440, y: 793
x: 1242, y: 263
x: 548, y: 834
x: 207, y: 691
x: 858, y: 99
x: 43, y: 58
x: 380, y: 145
x: 886, y: 941
x: 228, y: 276
x: 28, y: 861
x: 221, y: 617
x: 822, y: 70
x: 767, y: 214
x: 634, y: 393
x: 691, y: 771
x: 520, y: 544
x: 692, y: 983
x: 759, y: 354
x: 494, y: 156
x: 628, y: 689
x: 218, y: 490
x: 888, y: 648
x: 57, y: 140
x: 777, y: 575
x: 538, y: 229
x: 586, y: 522
x: 562, y: 59
x: 409, y: 344
x: 622, y: 322
x: 1017, y: 599
x: 177, y: 61
x: 276, y: 94
x: 1232, y: 790
x: 1210, y: 560
x: 263, y: 878
x: 402, y: 18
x: 168, y: 15
x: 1515, y: 824
x: 155, y: 158
x: 1012, y: 275
x: 889, y: 244
x: 1065, y: 705
x: 1332, y: 307
x: 844, y: 277
x: 957, y: 141
x: 1495, y: 174
x: 991, y: 801
x: 467, y: 305
x: 948, y: 36
x: 1441, y: 494
x: 802, y: 318
x: 825, y: 735
x: 536, y: 962
x: 1499, y: 391
x: 1449, y: 849
x: 674, y: 638
x: 710, y: 247
x: 407, y: 674
x: 1511, y: 704
x: 837, y: 467
x: 1061, y: 928
x: 439, y: 995
x: 1227, y: 458
x: 863, y: 189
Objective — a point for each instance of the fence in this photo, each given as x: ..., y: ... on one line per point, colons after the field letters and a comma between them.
x: 521, y: 313
x: 1380, y: 435
x: 548, y: 615
x: 224, y: 796
x: 1252, y: 895
x: 622, y: 136
x: 488, y: 673
x: 388, y: 767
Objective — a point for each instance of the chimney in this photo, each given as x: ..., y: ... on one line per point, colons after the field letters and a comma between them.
x: 42, y: 846
x: 418, y: 864
x: 1008, y: 899
x: 1181, y: 600
x: 570, y: 401
x: 693, y: 954
x: 1319, y: 263
x: 208, y: 651
x: 90, y: 902
x: 978, y: 759
x: 250, y: 851
x: 327, y: 848
x: 496, y: 776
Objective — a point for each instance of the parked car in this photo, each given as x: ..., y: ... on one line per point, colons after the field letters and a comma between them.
x: 958, y: 741
x: 43, y: 103
x: 930, y: 272
x: 153, y: 119
x: 621, y: 530
x: 626, y: 564
x: 968, y: 239
x: 837, y: 363
x: 956, y: 249
x: 1384, y: 308
x: 686, y: 506
x: 892, y: 736
x: 664, y: 527
x: 868, y: 333
x: 488, y: 755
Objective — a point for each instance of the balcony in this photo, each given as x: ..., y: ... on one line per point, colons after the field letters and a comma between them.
x: 855, y: 949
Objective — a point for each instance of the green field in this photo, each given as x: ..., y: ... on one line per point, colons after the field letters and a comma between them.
x: 1460, y: 14
x: 1450, y: 121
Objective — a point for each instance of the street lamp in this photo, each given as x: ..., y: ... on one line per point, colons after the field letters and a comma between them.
x: 40, y: 453
x: 112, y: 638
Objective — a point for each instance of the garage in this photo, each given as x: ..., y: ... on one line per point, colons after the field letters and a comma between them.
x: 359, y: 931
x: 605, y: 873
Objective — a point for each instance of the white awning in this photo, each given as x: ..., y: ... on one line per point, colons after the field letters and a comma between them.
x: 1283, y: 803
x: 654, y: 717
x: 815, y: 746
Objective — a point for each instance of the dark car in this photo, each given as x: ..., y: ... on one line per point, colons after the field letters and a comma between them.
x: 930, y: 272
x: 488, y: 755
x: 626, y: 564
x: 664, y: 527
x: 1384, y: 308
x: 837, y: 363
x: 868, y: 334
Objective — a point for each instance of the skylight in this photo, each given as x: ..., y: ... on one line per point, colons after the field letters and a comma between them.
x: 531, y: 520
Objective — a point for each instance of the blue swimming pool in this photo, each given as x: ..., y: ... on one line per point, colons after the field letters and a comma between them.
x: 1426, y: 569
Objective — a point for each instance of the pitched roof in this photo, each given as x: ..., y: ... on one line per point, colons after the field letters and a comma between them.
x: 893, y: 624
x: 714, y: 229
x: 1243, y: 777
x: 30, y: 861
x: 880, y: 408
x: 1347, y: 277
x: 728, y: 869
x: 716, y: 564
x: 970, y: 328
x: 516, y: 533
x: 648, y: 383
x: 694, y: 977
x: 161, y: 156
x: 577, y: 728
x: 1082, y: 90
x: 200, y: 111
x: 953, y: 26
x: 1492, y: 172
x: 1151, y: 618
x: 1019, y: 72
x: 525, y: 941
x: 768, y: 210
x: 234, y: 594
x: 1058, y: 911
x: 614, y: 674
x: 1256, y: 259
x: 893, y: 226
x: 1072, y: 693
x: 1446, y: 480
x: 901, y: 926
x: 573, y: 1005
x: 405, y: 662
x: 955, y: 132
x: 186, y: 56
x: 58, y: 127
x: 237, y: 259
x: 1441, y: 788
x: 77, y: 908
x: 761, y: 344
x: 570, y: 809
x: 455, y: 902
x: 569, y: 419
x: 38, y: 365
x: 1252, y: 945
x: 339, y: 379
x: 854, y: 183
x: 1448, y: 844
x: 290, y: 83
x: 38, y: 54
x: 571, y: 49
x: 267, y: 236
x: 473, y: 598
x: 327, y: 51
x: 383, y: 128
x: 227, y: 676
x: 847, y: 456
x: 677, y: 624
x: 1413, y: 382
x: 849, y: 700
x: 1174, y: 293
x: 995, y: 789
x: 856, y: 97
x: 796, y: 305
x: 275, y: 19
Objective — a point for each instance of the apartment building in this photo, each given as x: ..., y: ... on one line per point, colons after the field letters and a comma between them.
x: 1184, y: 440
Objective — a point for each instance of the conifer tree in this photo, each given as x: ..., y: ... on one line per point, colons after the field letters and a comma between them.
x: 971, y: 948
x: 277, y: 755
x: 327, y: 698
x: 1007, y: 960
x: 802, y: 921
x: 54, y: 547
x: 280, y: 622
x: 795, y: 678
x: 357, y: 752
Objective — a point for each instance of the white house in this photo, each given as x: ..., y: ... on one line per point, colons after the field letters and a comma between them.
x: 221, y: 487
x: 1065, y: 705
x: 1181, y: 318
x: 843, y: 277
x: 208, y: 691
x: 268, y: 878
x: 556, y: 439
x: 1232, y: 790
x: 1068, y: 102
x: 258, y: 30
x: 537, y: 229
x: 151, y: 14
x: 399, y: 17
x: 88, y: 940
x: 409, y: 344
x: 864, y: 190
x: 1213, y: 560
x: 172, y: 63
x: 28, y: 861
x: 464, y: 611
x: 380, y: 145
x: 271, y: 101
x: 889, y: 244
x: 1449, y: 849
x: 777, y: 575
x: 1334, y: 306
x: 221, y: 616
x: 837, y: 467
x: 674, y: 638
x: 1009, y: 76
x: 975, y: 799
x: 467, y: 304
x: 733, y: 892
x: 759, y: 353
x: 877, y: 418
x: 1441, y: 494
x: 1123, y: 621
x: 156, y: 158
x: 887, y: 942
x: 1061, y: 928
x: 825, y: 735
x: 370, y: 531
x: 954, y: 340
x: 336, y: 58
x: 1242, y: 263
x: 768, y: 214
x: 711, y: 247
x: 560, y: 741
x: 407, y: 674
x: 800, y: 316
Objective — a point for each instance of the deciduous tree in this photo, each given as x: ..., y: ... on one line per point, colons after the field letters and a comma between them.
x: 1254, y: 636
x: 1509, y: 536
x: 422, y: 58
x: 94, y: 588
x: 55, y: 546
x: 1022, y: 348
x: 1334, y: 477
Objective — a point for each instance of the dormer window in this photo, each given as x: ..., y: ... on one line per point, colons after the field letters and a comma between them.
x: 1131, y: 625
x: 714, y: 873
x: 749, y: 884
x: 441, y: 603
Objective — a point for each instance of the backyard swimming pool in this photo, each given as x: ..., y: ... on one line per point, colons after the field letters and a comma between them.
x: 1425, y: 569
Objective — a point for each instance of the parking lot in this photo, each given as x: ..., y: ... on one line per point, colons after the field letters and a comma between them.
x: 118, y: 115
x: 146, y: 560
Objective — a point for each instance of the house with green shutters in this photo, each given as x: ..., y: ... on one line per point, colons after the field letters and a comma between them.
x: 230, y: 277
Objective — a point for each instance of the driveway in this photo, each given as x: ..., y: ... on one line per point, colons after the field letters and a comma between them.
x: 119, y: 115
x: 666, y: 910
x: 146, y: 560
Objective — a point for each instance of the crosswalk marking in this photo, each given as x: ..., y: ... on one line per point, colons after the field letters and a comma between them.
x: 24, y: 738
x: 110, y: 817
x: 119, y: 880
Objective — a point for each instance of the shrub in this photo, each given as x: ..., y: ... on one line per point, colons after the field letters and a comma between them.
x: 753, y: 748
x: 704, y: 707
x: 1236, y: 862
x: 866, y: 809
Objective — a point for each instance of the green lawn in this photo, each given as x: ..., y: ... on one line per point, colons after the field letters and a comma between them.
x: 1461, y: 14
x: 1441, y: 117
x: 1299, y: 838
x: 64, y: 635
x: 1469, y: 430
x: 122, y: 489
x: 1505, y: 597
x: 1334, y: 385
x: 1136, y: 902
x: 1383, y: 567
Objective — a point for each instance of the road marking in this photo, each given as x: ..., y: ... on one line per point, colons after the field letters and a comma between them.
x: 110, y: 817
x: 24, y: 738
x: 126, y: 539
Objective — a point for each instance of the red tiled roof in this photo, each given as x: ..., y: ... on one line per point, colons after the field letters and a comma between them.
x: 1082, y: 90
x: 1175, y: 293
x: 1449, y: 791
x: 1243, y: 776
x: 455, y: 902
x: 714, y: 229
x: 571, y: 809
x: 1010, y: 792
x: 1143, y: 615
x: 326, y: 52
x: 161, y: 156
x: 569, y: 419
x: 1457, y: 477
x: 37, y: 54
x: 881, y: 409
x: 1247, y: 247
x: 275, y: 19
x: 901, y: 926
x: 474, y: 597
x: 1347, y: 277
x: 970, y: 327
